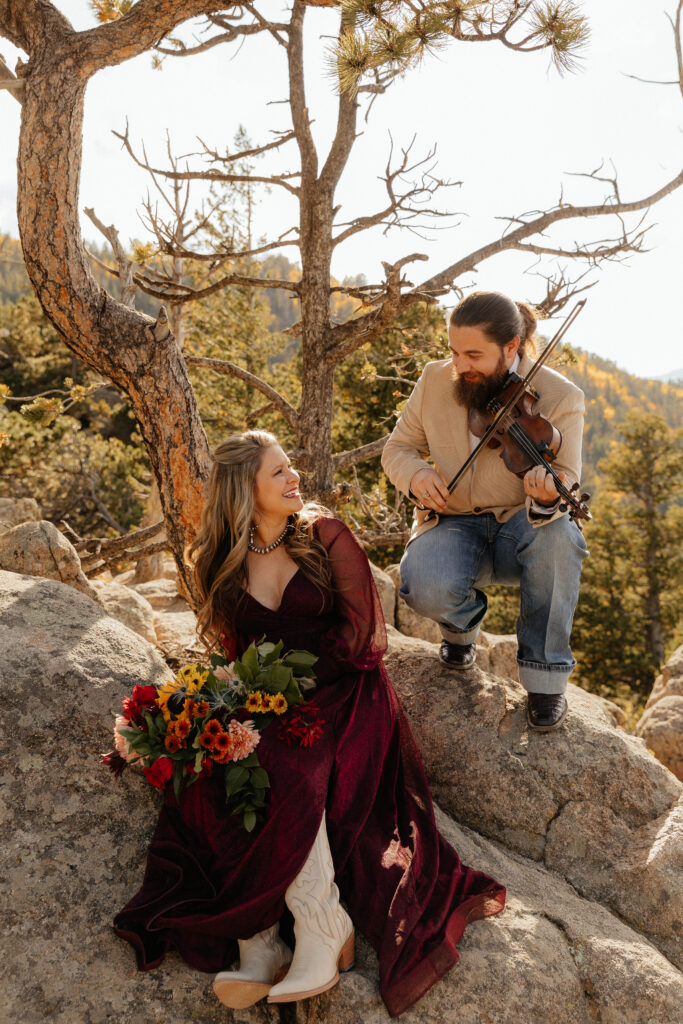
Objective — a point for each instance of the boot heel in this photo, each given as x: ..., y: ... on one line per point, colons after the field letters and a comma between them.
x: 347, y: 955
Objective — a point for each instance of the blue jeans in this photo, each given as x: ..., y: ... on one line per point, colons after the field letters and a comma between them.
x: 443, y: 570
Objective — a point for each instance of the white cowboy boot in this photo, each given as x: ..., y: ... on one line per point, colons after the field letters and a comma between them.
x: 263, y: 959
x: 322, y: 928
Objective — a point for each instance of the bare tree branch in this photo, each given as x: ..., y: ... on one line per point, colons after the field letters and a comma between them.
x: 9, y: 81
x: 349, y: 336
x: 297, y: 94
x: 126, y: 271
x: 440, y: 282
x: 355, y: 455
x: 403, y: 207
x: 210, y: 175
x: 231, y: 33
x: 222, y: 366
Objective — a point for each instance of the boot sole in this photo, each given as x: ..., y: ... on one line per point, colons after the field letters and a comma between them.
x: 548, y: 728
x: 458, y: 668
x: 345, y: 963
x: 238, y: 994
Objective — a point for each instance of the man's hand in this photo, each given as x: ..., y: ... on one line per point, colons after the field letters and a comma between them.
x: 540, y: 486
x: 429, y: 489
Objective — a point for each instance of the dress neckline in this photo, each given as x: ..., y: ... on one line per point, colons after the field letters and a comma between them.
x: 282, y: 597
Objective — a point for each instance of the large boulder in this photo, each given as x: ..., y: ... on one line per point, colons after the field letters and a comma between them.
x: 670, y: 682
x: 387, y: 593
x: 129, y: 607
x: 661, y: 725
x: 162, y: 594
x: 39, y: 549
x: 587, y: 800
x: 75, y: 849
x: 14, y: 511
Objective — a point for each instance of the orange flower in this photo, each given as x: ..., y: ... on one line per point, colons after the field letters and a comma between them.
x: 222, y: 748
x: 182, y: 728
x: 212, y: 730
x: 172, y: 743
x: 197, y: 708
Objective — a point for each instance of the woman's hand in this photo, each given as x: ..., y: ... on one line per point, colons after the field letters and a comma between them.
x: 540, y: 486
x: 429, y: 489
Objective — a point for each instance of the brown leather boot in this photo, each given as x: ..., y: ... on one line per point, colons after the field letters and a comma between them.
x: 545, y: 711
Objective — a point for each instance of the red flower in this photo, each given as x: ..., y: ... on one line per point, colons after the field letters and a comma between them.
x: 145, y: 696
x: 159, y: 773
x: 302, y: 726
x: 142, y: 699
x: 114, y: 762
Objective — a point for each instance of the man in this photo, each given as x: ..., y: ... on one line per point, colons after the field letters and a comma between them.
x: 494, y: 527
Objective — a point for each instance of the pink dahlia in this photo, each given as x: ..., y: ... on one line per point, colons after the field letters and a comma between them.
x: 244, y: 737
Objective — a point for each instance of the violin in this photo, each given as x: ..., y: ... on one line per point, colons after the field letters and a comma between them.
x: 526, y: 439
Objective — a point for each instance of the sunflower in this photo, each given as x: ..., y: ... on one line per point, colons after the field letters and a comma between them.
x: 192, y: 674
x: 278, y: 704
x: 172, y: 743
x: 266, y: 703
x: 173, y: 695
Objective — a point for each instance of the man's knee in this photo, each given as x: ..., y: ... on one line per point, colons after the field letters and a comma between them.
x: 556, y: 543
x: 429, y: 596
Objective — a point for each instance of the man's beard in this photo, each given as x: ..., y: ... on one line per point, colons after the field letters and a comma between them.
x: 476, y: 395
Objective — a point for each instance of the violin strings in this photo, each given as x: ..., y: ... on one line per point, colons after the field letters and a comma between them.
x: 523, y: 441
x: 526, y: 444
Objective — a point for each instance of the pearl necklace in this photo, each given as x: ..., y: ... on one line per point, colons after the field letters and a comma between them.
x: 270, y: 547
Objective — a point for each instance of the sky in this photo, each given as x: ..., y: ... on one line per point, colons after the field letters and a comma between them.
x: 507, y: 126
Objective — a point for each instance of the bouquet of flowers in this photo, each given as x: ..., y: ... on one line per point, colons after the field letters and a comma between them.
x: 198, y: 724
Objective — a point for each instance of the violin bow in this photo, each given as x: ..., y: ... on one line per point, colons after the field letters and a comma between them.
x: 511, y: 402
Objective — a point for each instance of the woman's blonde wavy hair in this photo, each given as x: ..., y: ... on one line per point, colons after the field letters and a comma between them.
x: 218, y: 554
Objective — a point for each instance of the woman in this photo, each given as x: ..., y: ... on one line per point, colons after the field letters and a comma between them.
x: 354, y: 806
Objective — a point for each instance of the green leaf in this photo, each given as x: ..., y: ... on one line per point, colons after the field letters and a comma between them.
x: 259, y: 778
x: 300, y: 659
x: 243, y: 672
x: 250, y: 660
x: 235, y: 778
x: 249, y: 820
x: 251, y: 761
x: 268, y: 653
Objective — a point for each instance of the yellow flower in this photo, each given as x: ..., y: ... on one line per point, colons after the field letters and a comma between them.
x: 182, y: 689
x: 254, y: 701
x: 279, y: 704
x: 192, y: 675
x: 267, y: 703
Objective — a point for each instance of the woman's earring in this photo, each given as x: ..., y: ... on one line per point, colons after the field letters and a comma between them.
x: 260, y: 519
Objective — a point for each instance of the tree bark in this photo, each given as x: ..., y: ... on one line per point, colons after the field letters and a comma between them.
x: 106, y: 335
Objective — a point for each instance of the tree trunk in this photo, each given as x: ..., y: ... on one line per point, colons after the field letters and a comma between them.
x: 107, y: 336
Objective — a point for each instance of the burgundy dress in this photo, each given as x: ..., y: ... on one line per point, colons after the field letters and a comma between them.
x: 208, y: 882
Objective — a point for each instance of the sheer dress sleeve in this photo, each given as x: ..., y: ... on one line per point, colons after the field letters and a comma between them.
x: 357, y: 640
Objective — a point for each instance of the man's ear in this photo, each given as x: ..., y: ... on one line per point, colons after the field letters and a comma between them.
x: 511, y: 347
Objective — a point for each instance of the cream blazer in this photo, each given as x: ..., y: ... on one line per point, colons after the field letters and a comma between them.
x: 434, y: 426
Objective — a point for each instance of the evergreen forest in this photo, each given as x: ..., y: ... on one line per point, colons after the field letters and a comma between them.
x: 68, y: 439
